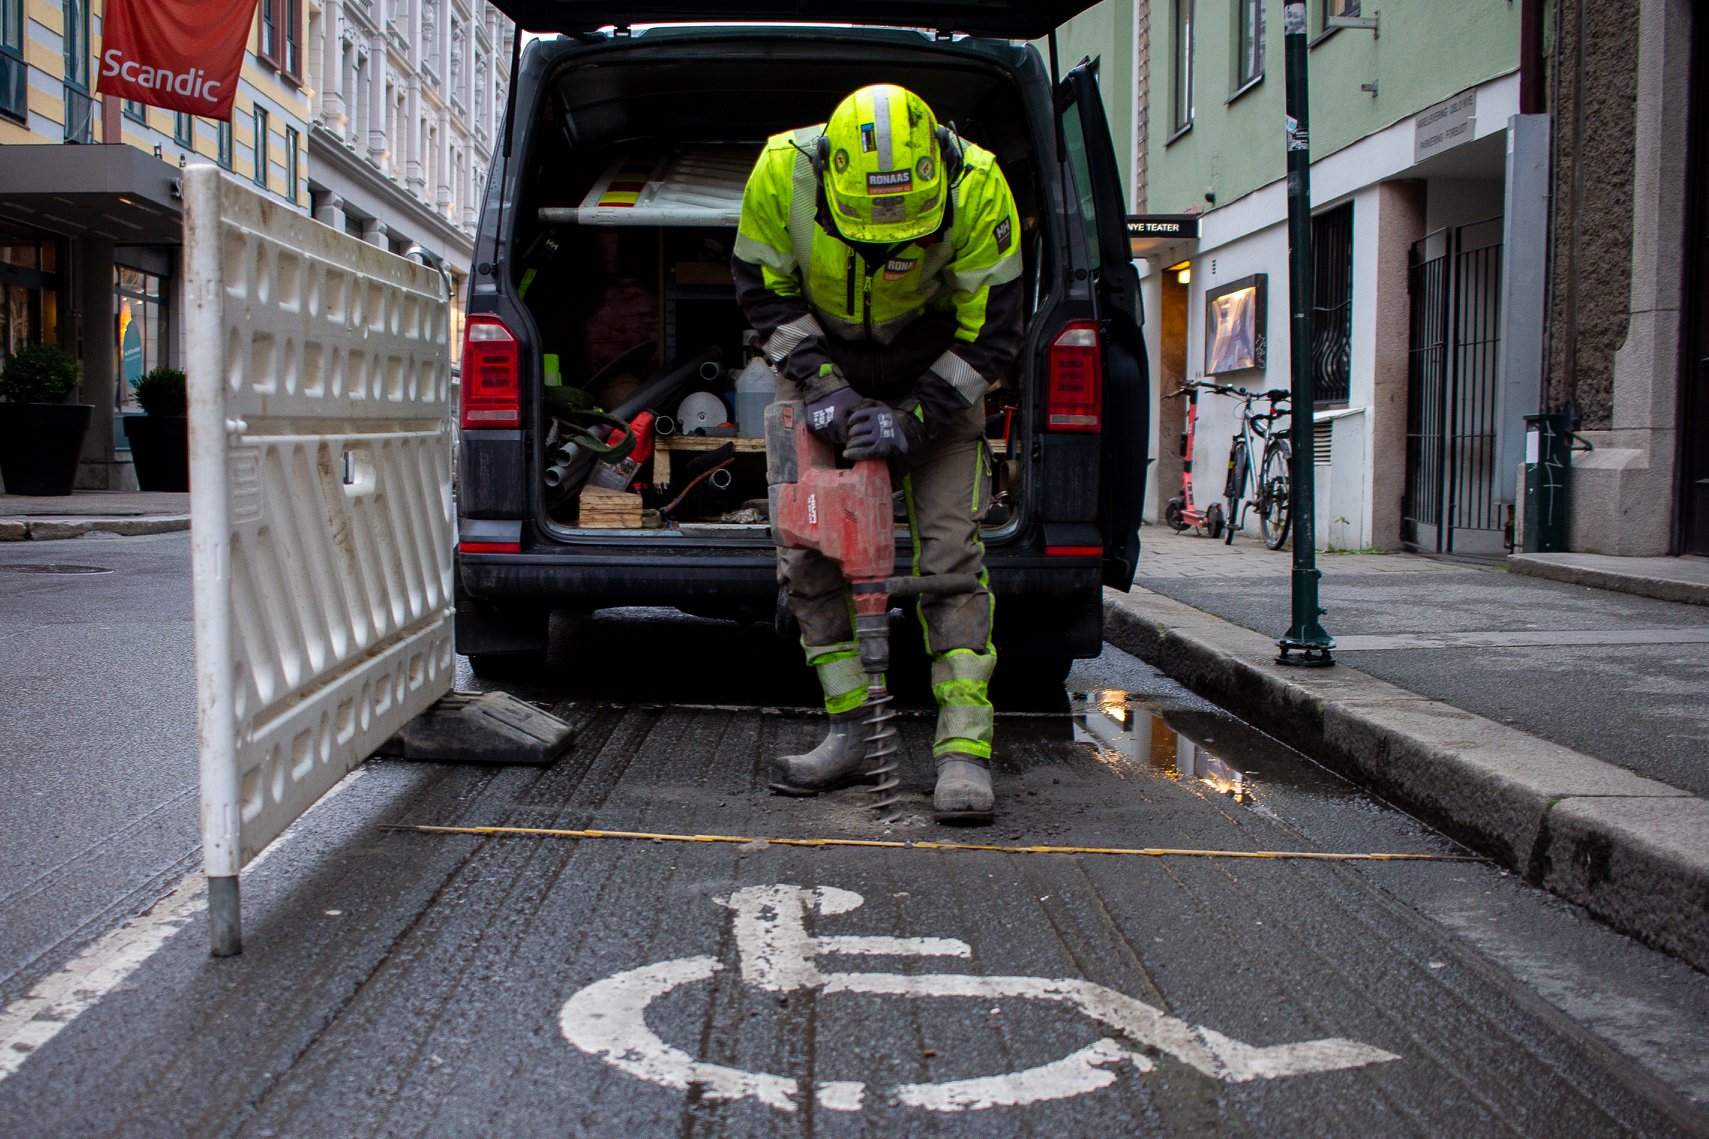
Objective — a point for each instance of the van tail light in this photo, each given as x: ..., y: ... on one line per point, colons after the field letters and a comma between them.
x: 492, y: 388
x: 1074, y: 398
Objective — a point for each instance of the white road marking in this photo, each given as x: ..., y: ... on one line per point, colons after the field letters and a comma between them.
x: 50, y: 1007
x: 60, y: 998
x: 608, y: 1018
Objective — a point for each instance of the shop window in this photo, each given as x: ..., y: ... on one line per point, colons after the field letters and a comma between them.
x: 1332, y: 305
x: 139, y: 311
x: 29, y: 289
x: 1182, y: 91
x: 14, y: 75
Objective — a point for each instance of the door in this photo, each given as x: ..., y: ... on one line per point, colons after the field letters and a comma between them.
x: 1694, y: 420
x: 1453, y: 491
x: 1126, y: 426
x: 1003, y: 19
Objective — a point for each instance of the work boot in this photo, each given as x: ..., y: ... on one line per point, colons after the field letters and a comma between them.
x: 963, y: 793
x: 837, y: 762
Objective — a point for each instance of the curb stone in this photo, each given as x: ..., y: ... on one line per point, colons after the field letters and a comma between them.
x: 55, y: 529
x: 1631, y: 850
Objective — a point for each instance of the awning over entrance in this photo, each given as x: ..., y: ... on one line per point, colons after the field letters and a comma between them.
x: 112, y: 191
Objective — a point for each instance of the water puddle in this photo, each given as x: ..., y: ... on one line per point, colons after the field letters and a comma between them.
x: 1130, y: 735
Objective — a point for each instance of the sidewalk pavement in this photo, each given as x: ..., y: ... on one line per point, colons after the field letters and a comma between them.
x: 25, y: 518
x: 1561, y: 729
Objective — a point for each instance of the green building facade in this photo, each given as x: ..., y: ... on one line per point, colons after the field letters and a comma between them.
x: 1427, y: 345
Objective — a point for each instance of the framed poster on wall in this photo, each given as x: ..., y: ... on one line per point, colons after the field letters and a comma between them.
x: 1235, y: 336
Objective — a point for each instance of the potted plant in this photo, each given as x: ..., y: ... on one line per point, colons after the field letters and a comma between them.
x: 160, y: 438
x: 41, y: 435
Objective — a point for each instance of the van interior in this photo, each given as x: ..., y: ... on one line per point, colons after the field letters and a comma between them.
x: 624, y: 226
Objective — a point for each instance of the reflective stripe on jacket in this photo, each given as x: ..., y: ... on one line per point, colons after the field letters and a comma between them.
x: 969, y: 271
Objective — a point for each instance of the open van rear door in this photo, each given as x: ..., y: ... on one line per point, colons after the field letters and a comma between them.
x: 1004, y: 19
x: 1126, y: 426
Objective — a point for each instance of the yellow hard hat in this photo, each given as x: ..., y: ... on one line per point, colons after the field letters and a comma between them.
x: 882, y: 166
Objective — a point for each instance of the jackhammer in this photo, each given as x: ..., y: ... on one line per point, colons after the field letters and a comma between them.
x: 845, y: 513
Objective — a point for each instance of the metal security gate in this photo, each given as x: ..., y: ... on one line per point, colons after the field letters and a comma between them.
x: 1453, y: 491
x: 320, y: 460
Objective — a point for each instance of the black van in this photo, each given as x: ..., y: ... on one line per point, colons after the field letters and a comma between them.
x: 601, y: 280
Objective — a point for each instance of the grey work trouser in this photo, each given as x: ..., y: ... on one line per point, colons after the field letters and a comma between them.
x: 946, y: 485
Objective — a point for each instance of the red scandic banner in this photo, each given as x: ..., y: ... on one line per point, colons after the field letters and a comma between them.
x: 184, y: 55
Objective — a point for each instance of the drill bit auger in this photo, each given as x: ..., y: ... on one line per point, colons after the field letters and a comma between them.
x: 845, y: 514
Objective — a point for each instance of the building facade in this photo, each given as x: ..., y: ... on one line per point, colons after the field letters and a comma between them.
x: 395, y: 150
x: 407, y: 105
x: 1429, y: 187
x: 1629, y: 273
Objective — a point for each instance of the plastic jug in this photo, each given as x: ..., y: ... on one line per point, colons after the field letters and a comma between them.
x: 756, y: 386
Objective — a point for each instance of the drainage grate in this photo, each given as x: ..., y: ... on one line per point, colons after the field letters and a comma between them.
x: 51, y: 567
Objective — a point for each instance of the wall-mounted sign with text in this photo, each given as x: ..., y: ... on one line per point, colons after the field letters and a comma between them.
x: 1445, y: 126
x: 1145, y: 232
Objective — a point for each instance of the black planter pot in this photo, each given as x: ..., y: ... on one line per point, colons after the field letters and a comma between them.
x: 160, y: 448
x: 40, y: 444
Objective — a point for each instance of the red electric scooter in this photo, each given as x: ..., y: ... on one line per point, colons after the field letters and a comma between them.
x: 1181, y: 513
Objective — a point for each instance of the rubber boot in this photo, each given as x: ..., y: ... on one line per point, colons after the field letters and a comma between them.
x: 963, y: 793
x: 837, y: 762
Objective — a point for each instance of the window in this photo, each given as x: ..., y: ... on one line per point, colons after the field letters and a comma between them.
x: 1249, y: 42
x: 136, y: 112
x: 292, y: 172
x: 1340, y: 8
x: 1332, y: 304
x: 139, y: 309
x: 14, y: 74
x: 183, y: 129
x: 281, y: 35
x: 1182, y: 97
x: 223, y: 128
x: 79, y: 107
x: 261, y: 157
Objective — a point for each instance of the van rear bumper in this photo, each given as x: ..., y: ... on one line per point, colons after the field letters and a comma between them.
x: 574, y: 579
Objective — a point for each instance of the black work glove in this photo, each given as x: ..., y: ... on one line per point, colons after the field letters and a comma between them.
x: 878, y: 431
x: 829, y: 404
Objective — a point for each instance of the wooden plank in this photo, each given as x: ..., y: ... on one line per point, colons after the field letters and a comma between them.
x: 603, y: 509
x: 665, y: 444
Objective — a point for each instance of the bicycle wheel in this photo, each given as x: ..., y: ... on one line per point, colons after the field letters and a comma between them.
x: 1276, y: 495
x: 1234, y: 489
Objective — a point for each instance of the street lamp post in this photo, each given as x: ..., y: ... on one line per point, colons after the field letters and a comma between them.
x: 1305, y: 642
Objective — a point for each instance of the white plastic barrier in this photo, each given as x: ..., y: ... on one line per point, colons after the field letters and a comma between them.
x: 320, y: 466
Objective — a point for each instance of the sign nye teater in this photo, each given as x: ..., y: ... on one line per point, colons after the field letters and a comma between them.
x: 184, y: 55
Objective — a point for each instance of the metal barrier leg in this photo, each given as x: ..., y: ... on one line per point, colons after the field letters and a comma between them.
x: 225, y: 919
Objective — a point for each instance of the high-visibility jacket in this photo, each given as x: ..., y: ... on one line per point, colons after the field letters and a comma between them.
x: 805, y: 290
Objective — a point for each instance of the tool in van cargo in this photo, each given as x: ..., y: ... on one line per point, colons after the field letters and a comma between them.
x: 617, y: 474
x: 579, y: 445
x: 699, y: 412
x: 906, y: 290
x: 844, y: 515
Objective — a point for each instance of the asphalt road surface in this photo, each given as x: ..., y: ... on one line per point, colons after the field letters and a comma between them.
x: 405, y: 983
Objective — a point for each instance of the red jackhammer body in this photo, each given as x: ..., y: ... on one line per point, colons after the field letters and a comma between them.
x: 845, y: 513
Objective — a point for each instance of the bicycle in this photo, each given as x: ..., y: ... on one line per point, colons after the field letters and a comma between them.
x: 1274, y: 496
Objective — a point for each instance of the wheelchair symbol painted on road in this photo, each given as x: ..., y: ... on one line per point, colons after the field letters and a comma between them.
x: 608, y: 1019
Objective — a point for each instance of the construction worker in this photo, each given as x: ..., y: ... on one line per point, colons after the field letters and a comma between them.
x: 879, y: 260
